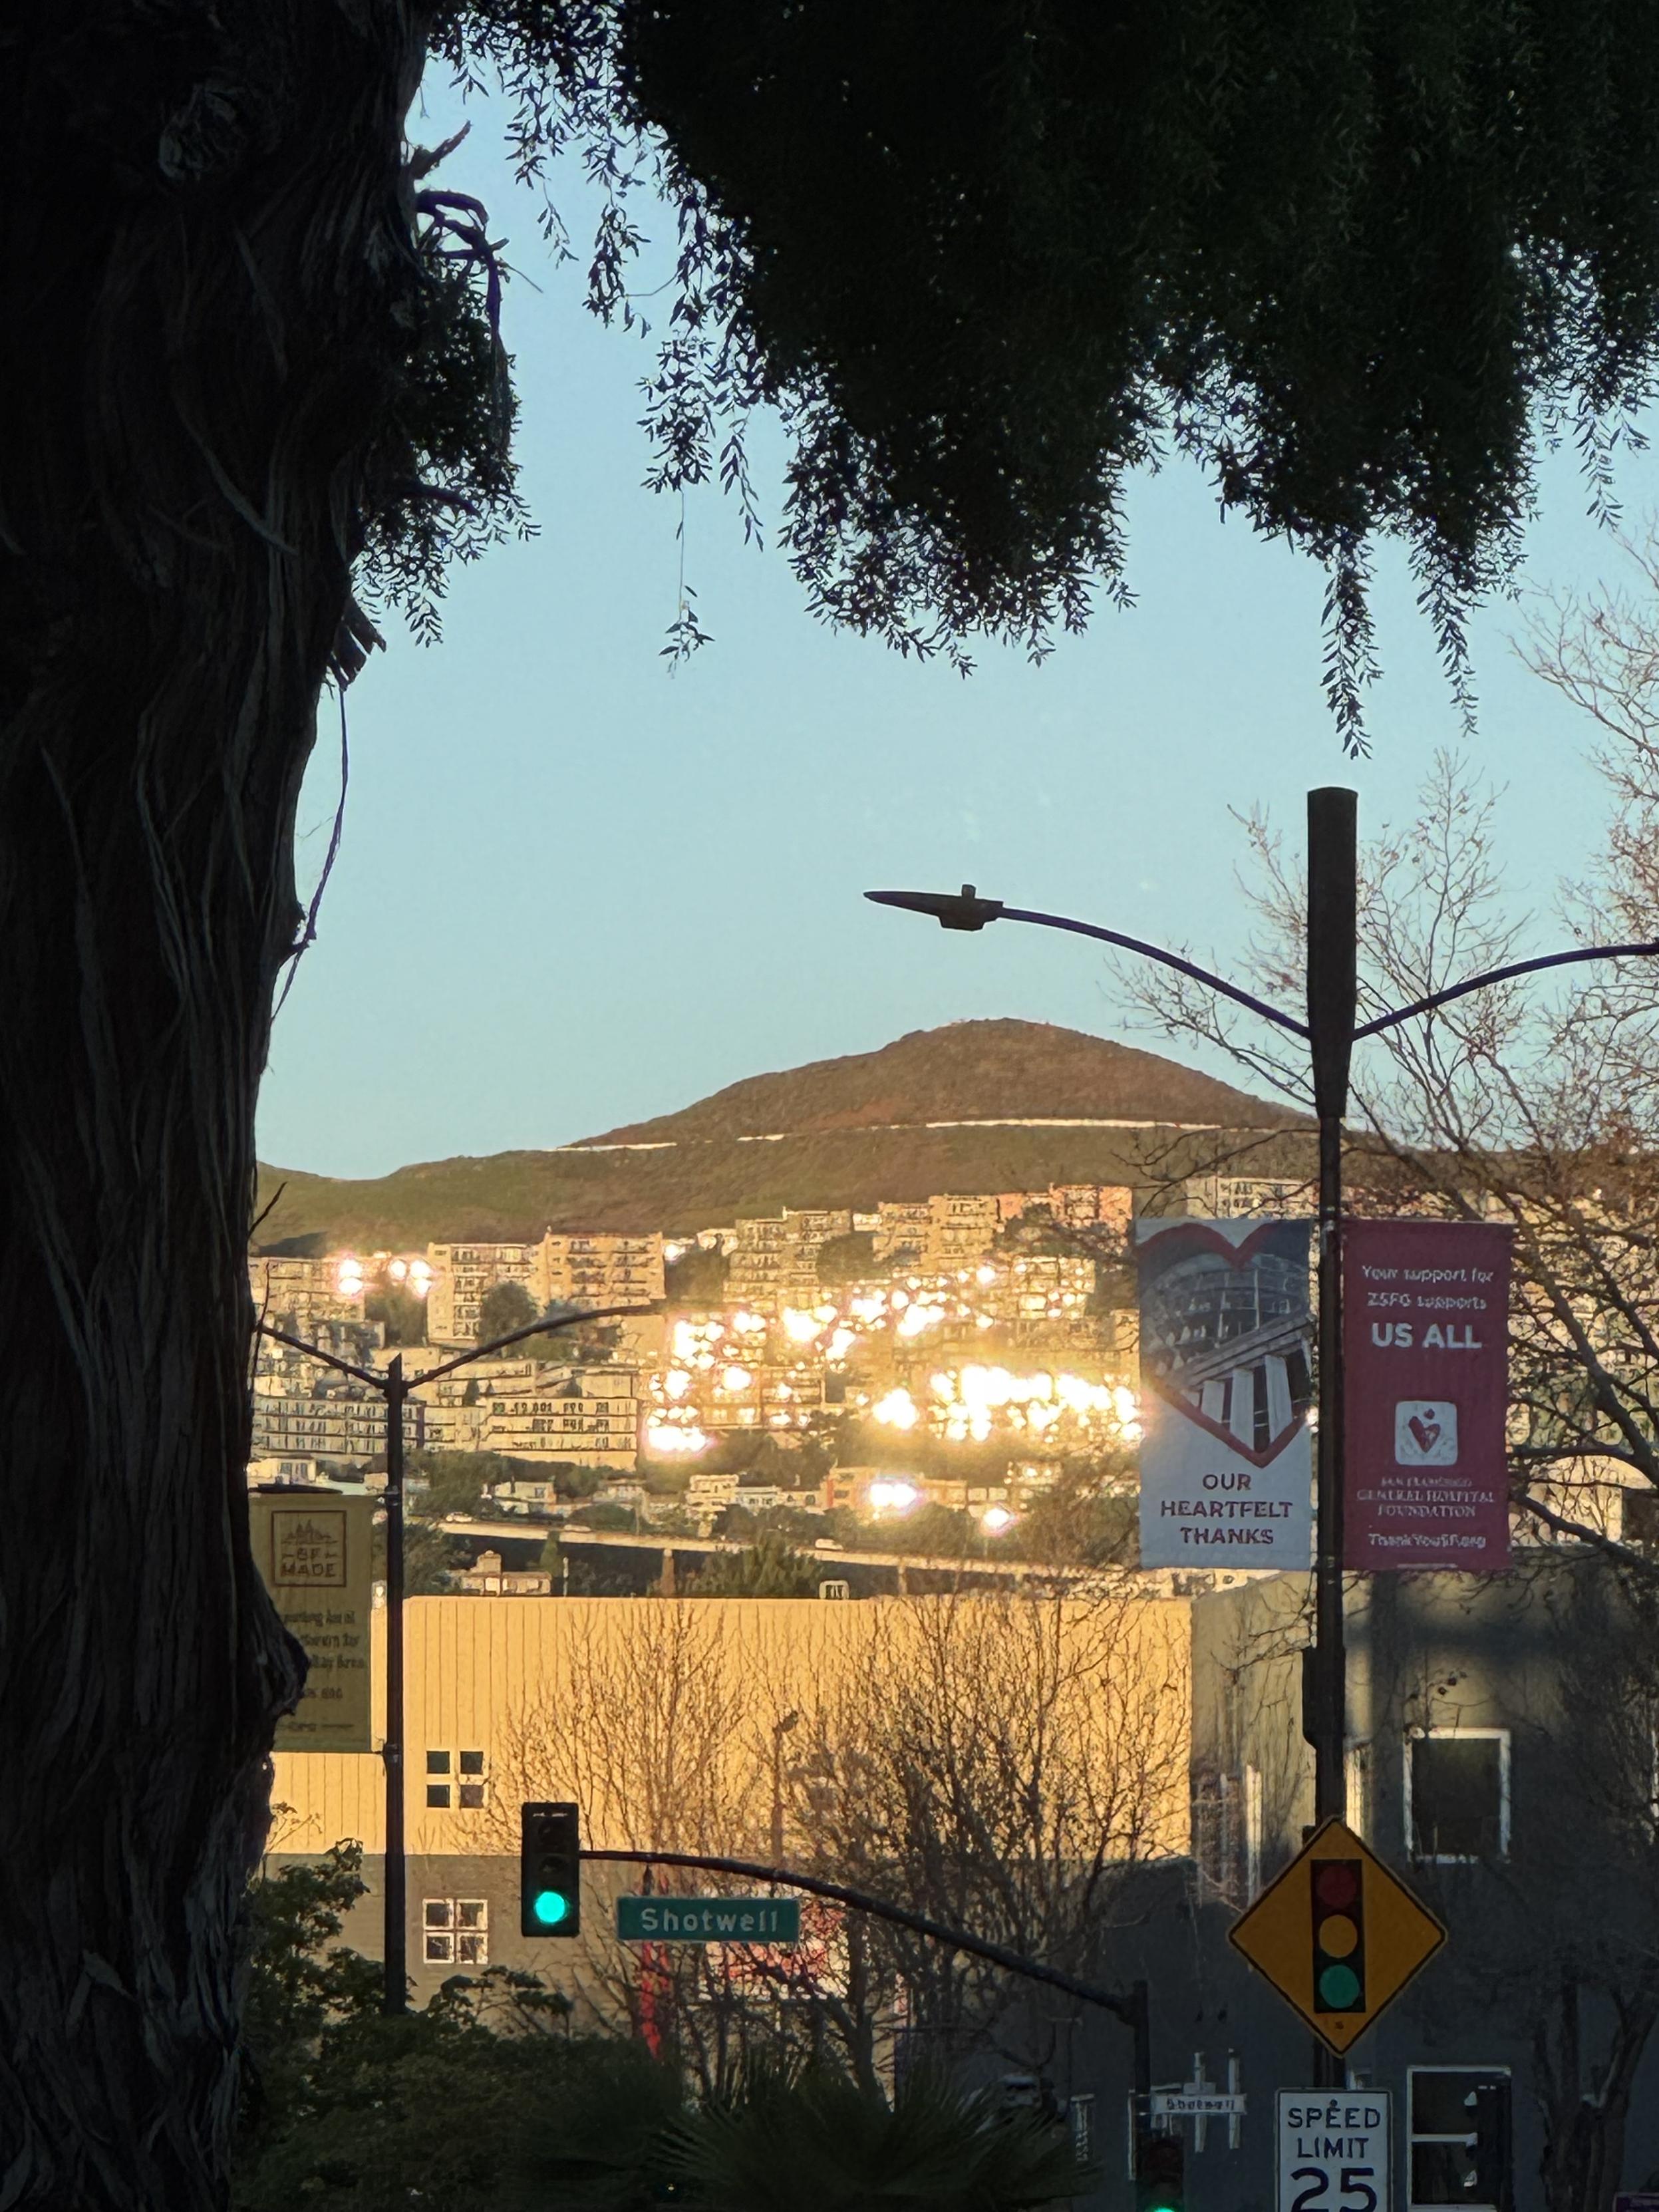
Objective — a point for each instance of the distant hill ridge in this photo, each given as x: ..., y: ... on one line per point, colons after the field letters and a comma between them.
x: 975, y: 1105
x: 965, y: 1074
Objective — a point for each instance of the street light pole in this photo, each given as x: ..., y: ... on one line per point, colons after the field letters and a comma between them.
x: 1332, y: 950
x: 395, y: 1387
x: 395, y: 1865
x: 1330, y: 1032
x: 1332, y: 967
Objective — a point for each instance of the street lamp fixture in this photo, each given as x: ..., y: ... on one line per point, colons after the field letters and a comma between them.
x: 962, y: 909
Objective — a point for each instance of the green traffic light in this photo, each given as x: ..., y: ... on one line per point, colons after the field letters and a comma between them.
x: 1339, y: 1988
x: 550, y: 1907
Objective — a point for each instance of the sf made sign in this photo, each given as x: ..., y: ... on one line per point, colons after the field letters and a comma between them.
x: 1333, y: 2150
x: 708, y: 1919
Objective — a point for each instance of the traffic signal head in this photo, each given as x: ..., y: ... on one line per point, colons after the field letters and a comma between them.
x: 1338, y: 1935
x: 1160, y: 2171
x: 551, y: 1866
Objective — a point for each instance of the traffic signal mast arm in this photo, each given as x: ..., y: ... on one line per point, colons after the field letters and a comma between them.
x: 1130, y: 2007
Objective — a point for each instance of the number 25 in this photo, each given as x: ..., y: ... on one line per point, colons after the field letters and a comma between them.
x: 1356, y: 2185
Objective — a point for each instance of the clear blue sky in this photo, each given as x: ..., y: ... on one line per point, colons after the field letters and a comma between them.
x: 576, y: 888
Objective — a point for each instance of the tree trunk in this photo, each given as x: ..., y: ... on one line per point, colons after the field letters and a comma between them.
x: 209, y: 243
x: 1585, y: 2119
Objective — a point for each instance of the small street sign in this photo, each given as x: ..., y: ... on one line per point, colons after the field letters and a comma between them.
x: 1333, y: 2150
x: 663, y: 1919
x: 1200, y: 2100
x: 1338, y: 1936
x: 1189, y: 2102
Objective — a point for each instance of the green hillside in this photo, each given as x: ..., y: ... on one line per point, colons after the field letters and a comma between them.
x: 844, y: 1133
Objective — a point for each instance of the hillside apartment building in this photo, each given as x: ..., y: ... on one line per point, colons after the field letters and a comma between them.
x: 588, y: 1267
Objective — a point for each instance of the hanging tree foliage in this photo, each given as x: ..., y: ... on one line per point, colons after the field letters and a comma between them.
x: 1360, y: 261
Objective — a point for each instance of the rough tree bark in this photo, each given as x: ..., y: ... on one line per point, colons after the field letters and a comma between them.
x: 207, y: 269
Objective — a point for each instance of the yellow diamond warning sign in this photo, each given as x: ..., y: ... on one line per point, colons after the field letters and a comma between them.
x: 1337, y: 1934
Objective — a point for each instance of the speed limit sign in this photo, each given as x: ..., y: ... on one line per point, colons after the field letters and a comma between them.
x: 1333, y: 2150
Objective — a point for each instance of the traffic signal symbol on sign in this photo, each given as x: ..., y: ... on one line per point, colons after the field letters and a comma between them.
x: 1338, y: 1890
x: 1337, y: 1934
x: 549, y: 1870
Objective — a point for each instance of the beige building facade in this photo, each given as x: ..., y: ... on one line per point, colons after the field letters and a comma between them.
x: 296, y: 1293
x: 586, y: 1267
x: 773, y: 1260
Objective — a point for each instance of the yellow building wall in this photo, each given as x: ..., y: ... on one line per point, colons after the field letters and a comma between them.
x: 474, y: 1665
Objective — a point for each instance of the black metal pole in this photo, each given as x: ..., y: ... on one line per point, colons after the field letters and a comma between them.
x: 1332, y: 963
x: 396, y: 1942
x: 1140, y: 2020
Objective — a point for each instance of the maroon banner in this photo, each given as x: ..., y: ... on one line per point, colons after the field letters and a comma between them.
x: 1425, y: 1340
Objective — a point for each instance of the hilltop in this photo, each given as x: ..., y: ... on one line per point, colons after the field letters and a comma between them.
x: 967, y: 1071
x: 979, y: 1105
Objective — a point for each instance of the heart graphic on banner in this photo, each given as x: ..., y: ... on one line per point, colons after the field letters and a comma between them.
x: 1427, y: 1433
x: 1186, y: 1240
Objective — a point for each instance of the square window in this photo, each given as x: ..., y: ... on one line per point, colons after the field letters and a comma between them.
x: 472, y: 1762
x: 471, y: 1912
x: 437, y: 1762
x: 1445, y: 2169
x: 440, y: 1950
x: 1457, y: 1789
x: 438, y: 1912
x: 472, y: 1951
x: 472, y: 1795
x: 437, y: 1793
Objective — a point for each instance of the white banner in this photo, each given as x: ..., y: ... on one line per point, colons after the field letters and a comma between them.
x: 1226, y: 1381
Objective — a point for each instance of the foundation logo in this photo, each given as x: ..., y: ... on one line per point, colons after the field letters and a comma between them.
x: 1424, y: 1433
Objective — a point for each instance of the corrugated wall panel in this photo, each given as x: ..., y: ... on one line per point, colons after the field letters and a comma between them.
x: 473, y: 1664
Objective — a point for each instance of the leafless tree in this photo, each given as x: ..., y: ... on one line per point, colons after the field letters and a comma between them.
x: 995, y: 1762
x: 668, y: 1725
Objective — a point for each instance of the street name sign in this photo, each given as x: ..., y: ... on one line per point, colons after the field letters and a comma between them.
x: 708, y: 1919
x: 1333, y: 2150
x: 1190, y: 2102
x: 1339, y: 1936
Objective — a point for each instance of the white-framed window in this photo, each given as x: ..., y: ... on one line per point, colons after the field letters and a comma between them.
x: 455, y: 1779
x: 1080, y: 2118
x: 1441, y: 2124
x: 1457, y: 1794
x: 455, y: 1931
